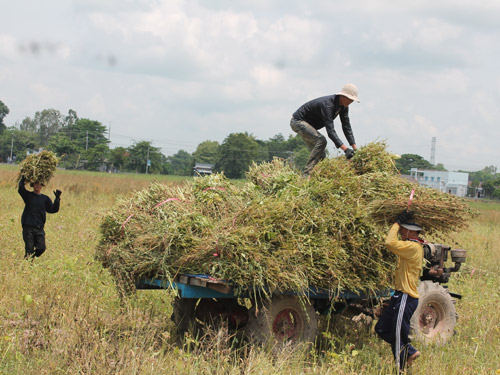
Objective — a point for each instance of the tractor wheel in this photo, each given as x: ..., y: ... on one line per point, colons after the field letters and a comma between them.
x: 435, y: 317
x: 183, y: 313
x: 282, y: 319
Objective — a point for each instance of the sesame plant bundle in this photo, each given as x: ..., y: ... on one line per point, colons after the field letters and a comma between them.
x: 272, y: 177
x: 38, y: 167
x: 374, y: 158
x: 438, y: 213
x: 287, y: 244
x: 148, y: 233
x: 277, y: 232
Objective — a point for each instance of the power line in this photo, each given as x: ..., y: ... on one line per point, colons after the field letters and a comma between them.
x: 158, y: 140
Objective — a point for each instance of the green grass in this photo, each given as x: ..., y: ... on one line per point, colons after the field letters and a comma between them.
x: 61, y: 313
x: 488, y: 205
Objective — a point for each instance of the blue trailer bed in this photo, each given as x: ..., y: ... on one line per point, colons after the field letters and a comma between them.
x: 204, y: 286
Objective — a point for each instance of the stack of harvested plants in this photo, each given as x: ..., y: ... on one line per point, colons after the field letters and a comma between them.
x: 38, y: 167
x: 279, y: 231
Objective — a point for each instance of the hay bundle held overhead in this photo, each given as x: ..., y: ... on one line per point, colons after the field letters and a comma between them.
x: 277, y: 232
x: 38, y: 167
x: 436, y: 212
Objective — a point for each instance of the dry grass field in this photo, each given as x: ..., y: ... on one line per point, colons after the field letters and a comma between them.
x: 61, y: 314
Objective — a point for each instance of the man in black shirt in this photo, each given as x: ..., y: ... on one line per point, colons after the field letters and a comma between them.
x: 34, y: 215
x: 319, y: 113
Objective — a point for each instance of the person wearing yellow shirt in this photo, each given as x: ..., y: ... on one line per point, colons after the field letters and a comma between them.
x: 394, y: 323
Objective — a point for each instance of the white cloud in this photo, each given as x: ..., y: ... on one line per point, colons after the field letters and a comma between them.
x: 448, y: 82
x: 487, y: 108
x: 8, y: 46
x: 434, y: 32
x: 267, y: 75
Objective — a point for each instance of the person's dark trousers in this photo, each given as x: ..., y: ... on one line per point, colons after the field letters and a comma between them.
x: 314, y: 140
x: 34, y: 241
x: 394, y: 326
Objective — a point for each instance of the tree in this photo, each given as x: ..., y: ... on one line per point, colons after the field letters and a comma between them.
x: 491, y: 170
x: 485, y: 174
x: 118, y: 157
x: 87, y: 133
x: 49, y: 122
x: 67, y: 150
x: 77, y: 140
x: 301, y: 157
x: 295, y: 142
x: 181, y: 163
x: 262, y: 152
x: 207, y: 152
x: 45, y: 124
x: 277, y: 146
x: 439, y: 167
x: 61, y: 145
x: 138, y: 158
x: 4, y: 111
x: 71, y: 118
x: 485, y: 178
x: 20, y: 141
x: 409, y: 161
x: 28, y: 125
x: 237, y: 153
x: 96, y: 157
x: 492, y: 188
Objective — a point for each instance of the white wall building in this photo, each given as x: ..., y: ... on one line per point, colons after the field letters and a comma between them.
x: 202, y: 169
x: 448, y: 182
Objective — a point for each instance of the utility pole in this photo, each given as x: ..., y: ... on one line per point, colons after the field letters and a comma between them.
x: 87, y: 141
x: 109, y: 132
x: 11, y: 147
x: 147, y: 161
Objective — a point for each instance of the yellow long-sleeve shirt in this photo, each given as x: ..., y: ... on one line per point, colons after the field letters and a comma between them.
x: 410, y: 257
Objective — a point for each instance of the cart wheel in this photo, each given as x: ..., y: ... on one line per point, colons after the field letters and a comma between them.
x: 435, y: 317
x: 183, y: 313
x: 282, y: 319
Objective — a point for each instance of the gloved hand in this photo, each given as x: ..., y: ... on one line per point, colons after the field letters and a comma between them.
x: 57, y: 193
x: 349, y: 153
x: 404, y: 217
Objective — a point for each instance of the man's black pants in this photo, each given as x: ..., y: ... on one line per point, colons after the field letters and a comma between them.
x: 394, y: 326
x: 34, y: 241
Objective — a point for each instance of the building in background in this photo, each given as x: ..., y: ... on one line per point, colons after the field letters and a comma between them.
x: 476, y: 190
x: 202, y: 169
x: 448, y: 182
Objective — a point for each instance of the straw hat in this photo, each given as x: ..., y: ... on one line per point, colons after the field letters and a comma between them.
x: 350, y: 91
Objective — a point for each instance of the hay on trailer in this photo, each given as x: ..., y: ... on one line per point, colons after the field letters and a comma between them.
x: 278, y: 232
x: 374, y: 158
x: 38, y: 167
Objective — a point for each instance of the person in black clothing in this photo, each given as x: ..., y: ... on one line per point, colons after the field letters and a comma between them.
x: 34, y: 215
x: 319, y: 113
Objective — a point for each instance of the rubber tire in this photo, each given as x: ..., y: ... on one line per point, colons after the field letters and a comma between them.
x: 436, y: 304
x: 183, y: 313
x: 259, y: 328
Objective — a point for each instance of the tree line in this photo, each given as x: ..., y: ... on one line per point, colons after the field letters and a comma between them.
x: 82, y: 143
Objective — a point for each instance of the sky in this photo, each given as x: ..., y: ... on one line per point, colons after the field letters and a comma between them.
x: 177, y: 73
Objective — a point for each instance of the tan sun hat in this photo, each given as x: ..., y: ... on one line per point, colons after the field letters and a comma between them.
x: 351, y: 91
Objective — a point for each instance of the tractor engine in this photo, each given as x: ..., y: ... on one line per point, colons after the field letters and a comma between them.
x: 435, y: 256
